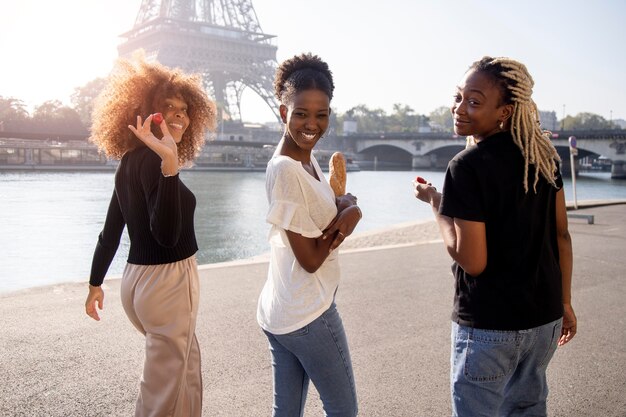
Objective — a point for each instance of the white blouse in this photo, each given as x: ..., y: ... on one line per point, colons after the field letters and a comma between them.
x: 292, y: 297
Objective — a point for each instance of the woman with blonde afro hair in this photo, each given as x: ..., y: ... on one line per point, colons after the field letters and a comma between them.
x: 155, y: 120
x: 136, y: 87
x: 503, y: 220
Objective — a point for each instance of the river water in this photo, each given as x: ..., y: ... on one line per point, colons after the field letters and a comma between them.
x: 51, y: 220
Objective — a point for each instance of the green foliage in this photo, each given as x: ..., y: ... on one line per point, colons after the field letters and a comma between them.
x: 83, y: 99
x: 403, y: 119
x: 47, y: 111
x: 368, y: 120
x: 587, y: 121
x: 12, y: 110
x: 441, y: 119
x: 53, y: 117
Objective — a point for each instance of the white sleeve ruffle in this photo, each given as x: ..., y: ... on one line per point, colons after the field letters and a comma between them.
x: 294, y: 217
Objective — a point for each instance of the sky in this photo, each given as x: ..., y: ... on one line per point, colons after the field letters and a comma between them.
x: 411, y: 52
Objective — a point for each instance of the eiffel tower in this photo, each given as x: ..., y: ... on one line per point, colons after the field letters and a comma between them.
x: 220, y: 39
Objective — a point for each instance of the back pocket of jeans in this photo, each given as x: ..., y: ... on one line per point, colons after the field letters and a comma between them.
x: 551, y: 348
x: 490, y: 356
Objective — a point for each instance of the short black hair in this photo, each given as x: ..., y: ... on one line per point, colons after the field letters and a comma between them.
x: 302, y: 72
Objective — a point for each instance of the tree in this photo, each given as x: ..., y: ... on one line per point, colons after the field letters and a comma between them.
x: 441, y: 119
x: 586, y: 121
x: 47, y: 111
x: 368, y: 120
x: 84, y: 97
x: 53, y: 117
x: 404, y: 119
x: 12, y: 110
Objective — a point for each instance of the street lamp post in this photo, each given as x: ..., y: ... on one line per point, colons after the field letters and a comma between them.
x: 572, y: 152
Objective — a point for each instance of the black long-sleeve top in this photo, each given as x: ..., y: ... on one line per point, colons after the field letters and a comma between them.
x: 157, y: 210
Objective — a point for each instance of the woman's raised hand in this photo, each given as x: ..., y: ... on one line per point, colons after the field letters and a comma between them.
x: 424, y: 191
x: 165, y: 147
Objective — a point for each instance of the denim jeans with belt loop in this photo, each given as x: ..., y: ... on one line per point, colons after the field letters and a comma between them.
x: 501, y: 373
x: 317, y: 352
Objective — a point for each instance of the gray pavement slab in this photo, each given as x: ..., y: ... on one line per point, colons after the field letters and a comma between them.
x: 395, y: 303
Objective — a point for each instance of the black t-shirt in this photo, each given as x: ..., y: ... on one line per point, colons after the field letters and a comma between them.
x: 158, y: 212
x: 521, y: 286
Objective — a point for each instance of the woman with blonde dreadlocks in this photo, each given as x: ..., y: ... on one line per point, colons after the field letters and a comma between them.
x: 503, y: 220
x: 159, y: 287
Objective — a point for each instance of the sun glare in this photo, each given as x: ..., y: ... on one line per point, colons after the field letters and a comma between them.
x: 57, y: 49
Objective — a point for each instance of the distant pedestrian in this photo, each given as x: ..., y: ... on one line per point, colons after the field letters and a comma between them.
x: 159, y: 287
x: 296, y: 307
x: 503, y: 220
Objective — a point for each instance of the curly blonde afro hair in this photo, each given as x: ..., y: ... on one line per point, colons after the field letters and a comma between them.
x: 137, y: 87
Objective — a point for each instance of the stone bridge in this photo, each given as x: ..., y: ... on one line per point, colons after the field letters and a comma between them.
x: 434, y: 150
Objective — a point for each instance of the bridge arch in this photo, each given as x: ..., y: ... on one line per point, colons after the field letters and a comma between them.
x: 437, y: 158
x: 390, y: 157
x: 430, y: 150
x: 563, y: 152
x: 384, y: 156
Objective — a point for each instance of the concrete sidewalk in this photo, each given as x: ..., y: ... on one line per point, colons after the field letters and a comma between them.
x: 395, y: 303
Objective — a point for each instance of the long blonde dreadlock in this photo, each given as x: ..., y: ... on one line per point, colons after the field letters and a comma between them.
x: 516, y: 85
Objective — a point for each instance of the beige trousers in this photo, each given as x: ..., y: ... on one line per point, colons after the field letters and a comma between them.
x: 162, y: 302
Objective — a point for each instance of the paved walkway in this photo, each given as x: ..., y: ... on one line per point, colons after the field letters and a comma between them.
x: 395, y: 302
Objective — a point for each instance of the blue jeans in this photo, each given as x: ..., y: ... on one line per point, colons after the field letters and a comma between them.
x: 501, y: 373
x: 319, y: 352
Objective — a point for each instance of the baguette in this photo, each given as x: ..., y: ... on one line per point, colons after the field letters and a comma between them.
x: 337, y: 171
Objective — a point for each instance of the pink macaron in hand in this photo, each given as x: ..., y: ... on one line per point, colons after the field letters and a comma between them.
x: 157, y: 118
